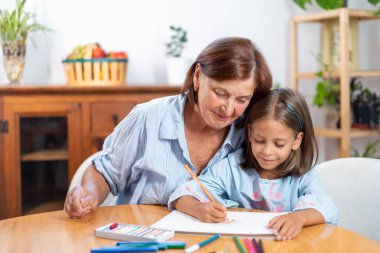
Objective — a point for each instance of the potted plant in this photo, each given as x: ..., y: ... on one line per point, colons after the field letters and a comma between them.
x: 327, y: 95
x: 365, y: 106
x: 15, y: 27
x: 370, y: 150
x: 177, y: 65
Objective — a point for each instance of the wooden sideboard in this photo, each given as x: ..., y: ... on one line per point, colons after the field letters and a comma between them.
x: 41, y: 125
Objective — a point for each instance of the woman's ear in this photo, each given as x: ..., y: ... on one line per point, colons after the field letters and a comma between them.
x: 297, y: 141
x: 196, y: 76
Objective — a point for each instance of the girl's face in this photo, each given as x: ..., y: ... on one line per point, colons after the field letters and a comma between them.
x: 221, y: 103
x: 271, y: 144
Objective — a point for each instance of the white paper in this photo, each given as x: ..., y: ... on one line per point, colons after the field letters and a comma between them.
x: 244, y: 223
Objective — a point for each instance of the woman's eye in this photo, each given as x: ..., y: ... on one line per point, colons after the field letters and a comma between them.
x: 259, y: 141
x: 220, y: 93
x: 242, y: 101
x: 280, y: 145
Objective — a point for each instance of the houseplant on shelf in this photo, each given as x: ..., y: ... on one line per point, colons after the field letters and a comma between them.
x: 327, y: 95
x: 15, y: 27
x: 332, y: 4
x: 177, y: 65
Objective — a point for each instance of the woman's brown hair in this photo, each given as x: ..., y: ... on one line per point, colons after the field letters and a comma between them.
x: 231, y: 58
x: 288, y: 107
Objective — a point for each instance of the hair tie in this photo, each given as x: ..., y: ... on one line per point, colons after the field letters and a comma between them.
x: 295, y: 115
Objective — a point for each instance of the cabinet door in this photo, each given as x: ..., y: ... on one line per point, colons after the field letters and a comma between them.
x: 41, y: 154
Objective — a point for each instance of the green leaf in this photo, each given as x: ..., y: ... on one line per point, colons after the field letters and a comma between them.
x: 302, y: 3
x: 330, y: 4
x: 377, y: 13
x: 374, y: 2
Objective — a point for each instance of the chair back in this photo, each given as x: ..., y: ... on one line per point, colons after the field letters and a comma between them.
x: 354, y: 185
x: 77, y: 178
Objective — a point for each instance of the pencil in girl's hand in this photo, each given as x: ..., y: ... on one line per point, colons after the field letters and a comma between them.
x: 199, y: 182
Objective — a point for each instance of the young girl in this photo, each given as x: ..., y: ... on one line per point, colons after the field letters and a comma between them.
x: 272, y: 173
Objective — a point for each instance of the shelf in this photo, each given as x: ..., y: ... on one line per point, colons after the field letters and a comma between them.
x: 45, y: 155
x: 317, y: 17
x: 354, y: 73
x: 337, y: 133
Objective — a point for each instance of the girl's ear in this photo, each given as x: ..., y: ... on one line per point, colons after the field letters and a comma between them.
x: 249, y: 132
x: 297, y: 141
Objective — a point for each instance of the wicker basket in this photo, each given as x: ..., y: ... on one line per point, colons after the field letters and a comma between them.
x: 102, y: 71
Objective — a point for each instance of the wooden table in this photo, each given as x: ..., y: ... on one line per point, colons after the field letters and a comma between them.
x: 56, y: 232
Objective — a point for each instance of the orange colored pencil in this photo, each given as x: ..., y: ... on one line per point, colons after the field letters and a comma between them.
x: 200, y: 184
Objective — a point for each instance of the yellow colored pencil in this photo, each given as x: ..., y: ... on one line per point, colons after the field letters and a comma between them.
x: 200, y: 184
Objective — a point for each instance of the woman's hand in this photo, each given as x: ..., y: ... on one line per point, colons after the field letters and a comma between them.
x: 288, y: 226
x: 80, y: 202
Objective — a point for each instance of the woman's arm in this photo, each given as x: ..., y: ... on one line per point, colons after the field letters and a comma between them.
x: 82, y: 199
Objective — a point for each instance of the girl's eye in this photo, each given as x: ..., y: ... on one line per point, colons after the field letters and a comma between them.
x: 280, y: 145
x: 259, y: 141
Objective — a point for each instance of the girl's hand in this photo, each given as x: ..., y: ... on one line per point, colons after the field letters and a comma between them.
x: 286, y: 226
x: 211, y: 212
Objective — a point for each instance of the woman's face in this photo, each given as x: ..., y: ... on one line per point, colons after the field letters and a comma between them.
x: 221, y: 103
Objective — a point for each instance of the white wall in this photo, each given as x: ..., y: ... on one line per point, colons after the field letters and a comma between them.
x: 141, y: 27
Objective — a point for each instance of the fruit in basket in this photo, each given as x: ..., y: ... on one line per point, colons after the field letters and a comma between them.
x: 77, y: 53
x: 117, y: 55
x: 98, y: 52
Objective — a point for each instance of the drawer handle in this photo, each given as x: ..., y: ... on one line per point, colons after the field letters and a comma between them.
x: 115, y: 119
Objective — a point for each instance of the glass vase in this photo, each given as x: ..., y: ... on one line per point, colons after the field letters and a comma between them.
x: 14, y: 59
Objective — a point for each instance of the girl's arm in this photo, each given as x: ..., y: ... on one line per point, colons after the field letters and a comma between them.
x: 313, y: 206
x: 205, y: 212
x: 290, y: 225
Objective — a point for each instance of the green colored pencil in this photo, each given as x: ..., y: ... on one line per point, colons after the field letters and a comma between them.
x: 238, y: 244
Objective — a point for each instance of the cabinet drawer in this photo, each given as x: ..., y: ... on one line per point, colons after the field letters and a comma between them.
x: 105, y: 116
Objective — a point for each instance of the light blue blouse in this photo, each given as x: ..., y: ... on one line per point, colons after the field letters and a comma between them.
x: 235, y: 187
x: 143, y: 159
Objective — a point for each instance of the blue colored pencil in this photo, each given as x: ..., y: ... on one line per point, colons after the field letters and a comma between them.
x: 198, y: 246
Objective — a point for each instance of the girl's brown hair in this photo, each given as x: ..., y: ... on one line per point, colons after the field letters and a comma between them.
x: 231, y: 58
x: 288, y: 107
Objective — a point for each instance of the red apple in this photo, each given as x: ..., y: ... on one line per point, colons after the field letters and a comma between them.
x: 120, y: 55
x: 98, y: 52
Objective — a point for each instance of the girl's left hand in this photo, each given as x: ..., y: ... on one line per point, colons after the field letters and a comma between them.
x: 286, y: 226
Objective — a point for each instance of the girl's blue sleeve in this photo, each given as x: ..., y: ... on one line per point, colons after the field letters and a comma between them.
x: 312, y: 195
x: 215, y: 182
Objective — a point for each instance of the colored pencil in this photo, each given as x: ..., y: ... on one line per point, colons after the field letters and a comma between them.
x: 261, y: 246
x: 250, y: 246
x: 238, y: 244
x: 199, y: 182
x: 196, y: 247
x: 256, y: 246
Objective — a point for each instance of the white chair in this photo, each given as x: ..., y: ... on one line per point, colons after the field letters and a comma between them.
x: 354, y: 185
x: 77, y: 178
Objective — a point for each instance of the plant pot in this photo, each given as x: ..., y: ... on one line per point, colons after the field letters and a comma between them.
x: 177, y: 69
x: 14, y: 59
x: 332, y: 116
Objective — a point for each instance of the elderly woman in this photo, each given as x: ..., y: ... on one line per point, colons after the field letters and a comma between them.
x: 143, y: 159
